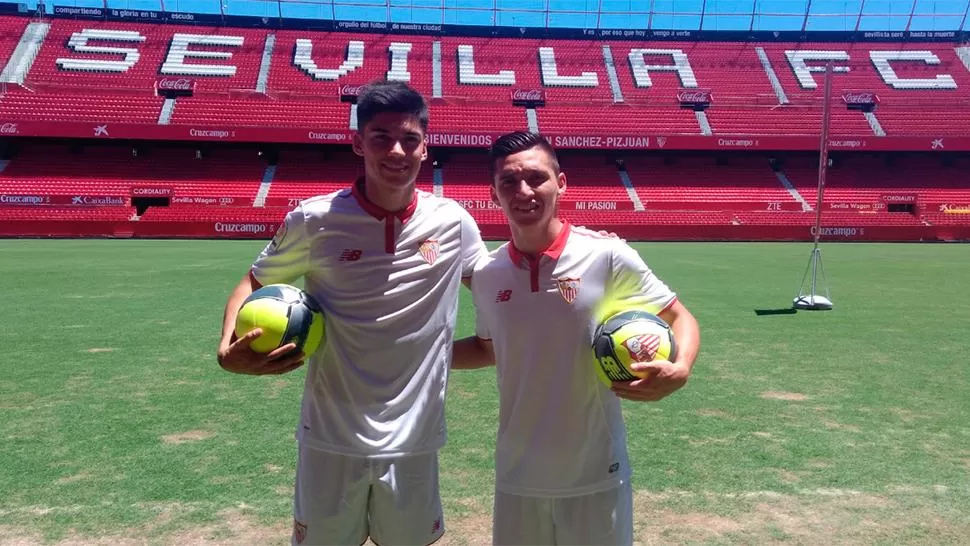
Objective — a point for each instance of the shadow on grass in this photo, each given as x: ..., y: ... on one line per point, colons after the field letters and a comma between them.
x: 769, y: 312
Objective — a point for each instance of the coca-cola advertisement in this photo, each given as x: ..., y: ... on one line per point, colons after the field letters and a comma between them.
x: 8, y: 128
x: 171, y: 87
x: 696, y: 99
x: 349, y: 92
x: 529, y: 98
x: 860, y: 100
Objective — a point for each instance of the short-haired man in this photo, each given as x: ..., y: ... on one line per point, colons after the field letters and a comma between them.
x: 562, y: 472
x: 385, y: 262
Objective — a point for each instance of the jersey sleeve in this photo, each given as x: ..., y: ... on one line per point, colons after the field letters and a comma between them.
x: 472, y: 247
x: 287, y: 257
x: 481, y: 320
x: 481, y: 325
x: 635, y: 284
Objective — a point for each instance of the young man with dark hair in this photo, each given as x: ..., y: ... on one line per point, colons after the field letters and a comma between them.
x: 385, y: 262
x: 562, y: 472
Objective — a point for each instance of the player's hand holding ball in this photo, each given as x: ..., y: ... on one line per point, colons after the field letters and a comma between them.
x: 633, y: 351
x: 277, y: 327
x: 662, y: 379
x: 239, y: 357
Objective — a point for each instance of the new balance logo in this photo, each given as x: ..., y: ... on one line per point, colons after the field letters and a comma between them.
x: 503, y: 295
x: 350, y: 255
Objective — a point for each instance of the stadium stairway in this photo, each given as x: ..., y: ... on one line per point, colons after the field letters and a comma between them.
x: 793, y: 190
x: 700, y: 182
x: 265, y: 186
x: 25, y: 53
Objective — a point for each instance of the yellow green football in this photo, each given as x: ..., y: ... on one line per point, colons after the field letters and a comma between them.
x: 286, y: 314
x: 628, y: 337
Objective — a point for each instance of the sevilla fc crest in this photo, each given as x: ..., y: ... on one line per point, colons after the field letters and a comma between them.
x: 569, y: 289
x: 643, y: 348
x: 429, y: 251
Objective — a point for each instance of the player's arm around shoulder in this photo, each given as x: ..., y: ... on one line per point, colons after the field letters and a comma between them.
x: 473, y: 249
x: 663, y: 377
x: 471, y: 353
x: 475, y: 351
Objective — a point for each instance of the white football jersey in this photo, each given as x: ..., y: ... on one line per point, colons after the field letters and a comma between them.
x: 388, y: 284
x: 561, y: 431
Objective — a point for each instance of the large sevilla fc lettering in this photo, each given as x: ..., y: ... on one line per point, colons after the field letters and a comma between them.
x: 307, y: 62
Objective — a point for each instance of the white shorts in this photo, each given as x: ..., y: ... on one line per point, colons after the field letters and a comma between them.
x: 604, y: 518
x: 343, y: 500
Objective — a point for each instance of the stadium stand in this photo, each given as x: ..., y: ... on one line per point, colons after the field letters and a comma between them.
x: 742, y: 166
x: 112, y: 170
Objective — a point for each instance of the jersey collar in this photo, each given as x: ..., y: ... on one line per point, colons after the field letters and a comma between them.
x: 553, y: 251
x: 376, y: 211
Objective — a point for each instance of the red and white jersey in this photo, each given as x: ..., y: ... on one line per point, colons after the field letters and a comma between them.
x: 561, y: 432
x: 388, y: 284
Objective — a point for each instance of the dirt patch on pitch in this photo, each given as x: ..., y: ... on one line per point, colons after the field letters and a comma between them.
x: 275, y: 388
x: 475, y: 529
x: 711, y: 412
x: 11, y: 535
x: 100, y: 350
x: 190, y: 436
x: 904, y: 515
x: 788, y: 396
x: 72, y: 479
x: 812, y: 517
x: 834, y: 425
x: 235, y: 528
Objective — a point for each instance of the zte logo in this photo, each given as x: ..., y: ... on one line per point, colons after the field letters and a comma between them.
x: 349, y: 255
x: 503, y: 295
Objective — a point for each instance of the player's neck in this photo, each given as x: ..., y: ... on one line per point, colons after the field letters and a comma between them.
x: 532, y: 240
x: 393, y: 200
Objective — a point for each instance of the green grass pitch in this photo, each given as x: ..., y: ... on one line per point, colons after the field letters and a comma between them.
x: 850, y: 426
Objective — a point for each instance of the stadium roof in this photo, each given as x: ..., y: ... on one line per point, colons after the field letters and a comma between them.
x: 736, y: 15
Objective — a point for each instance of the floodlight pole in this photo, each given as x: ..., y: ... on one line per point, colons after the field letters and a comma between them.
x: 813, y: 300
x: 858, y: 20
x: 911, y: 13
x: 823, y: 156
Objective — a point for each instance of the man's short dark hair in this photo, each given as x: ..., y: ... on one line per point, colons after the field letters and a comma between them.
x: 387, y: 96
x: 519, y: 141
